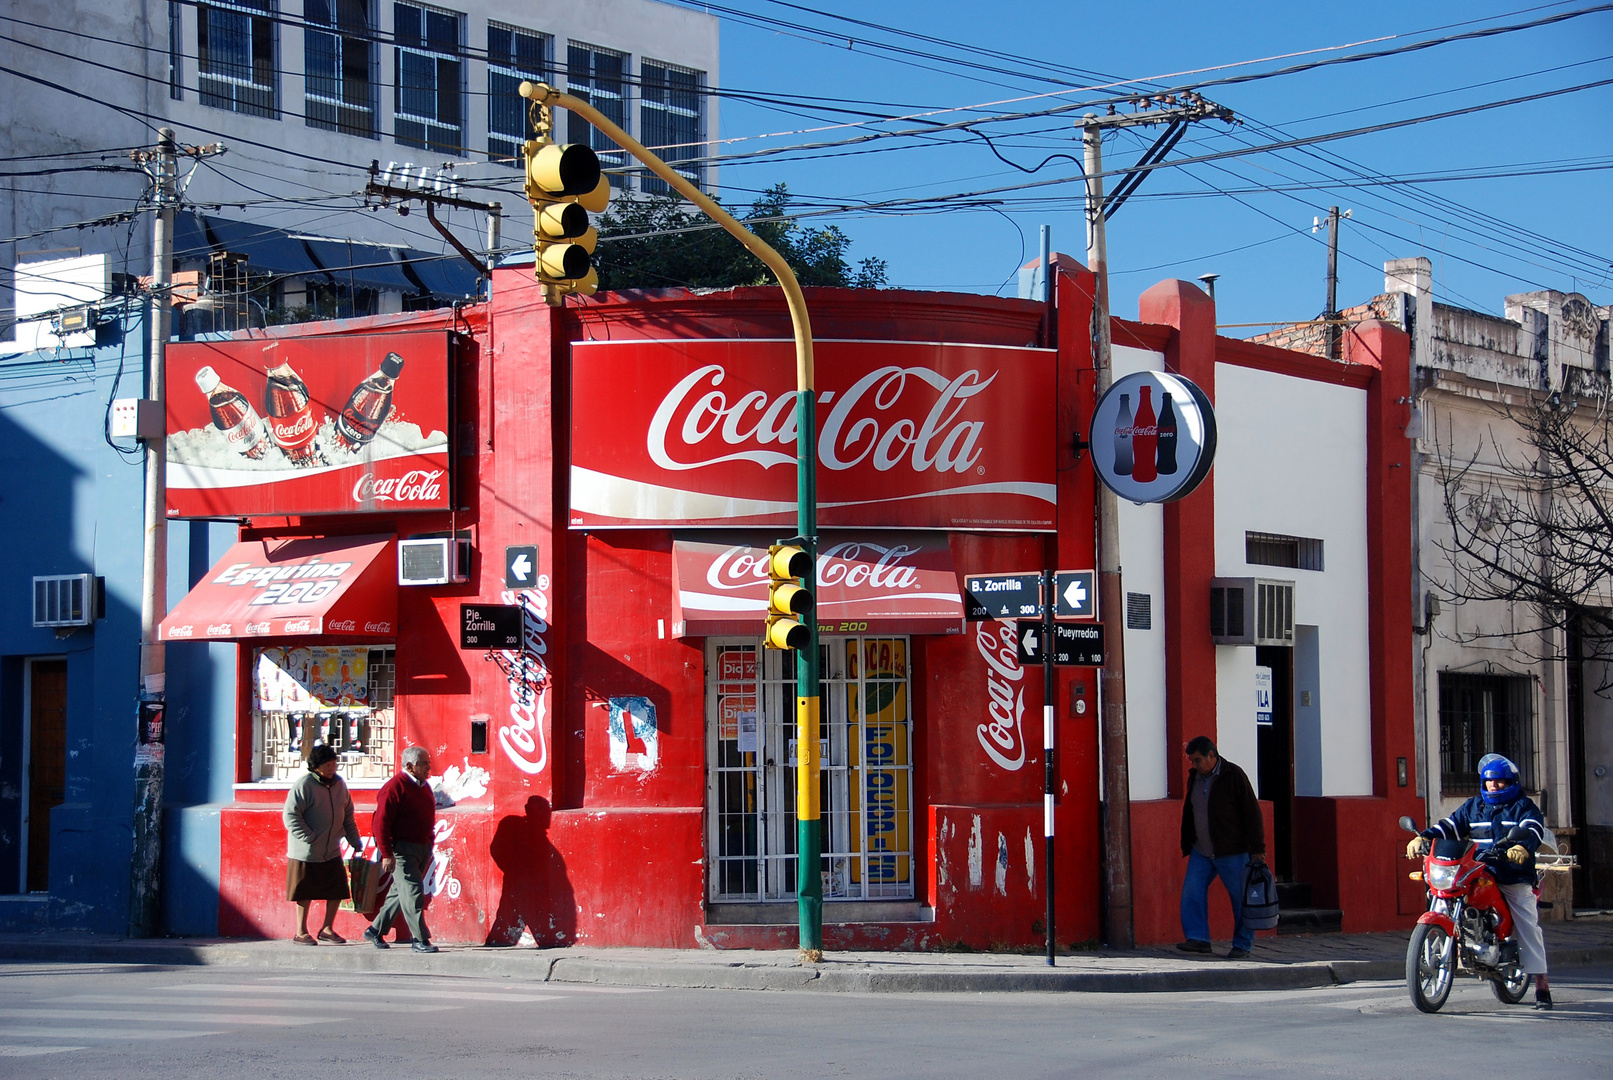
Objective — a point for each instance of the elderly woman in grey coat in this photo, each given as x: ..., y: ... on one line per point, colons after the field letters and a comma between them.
x: 318, y: 814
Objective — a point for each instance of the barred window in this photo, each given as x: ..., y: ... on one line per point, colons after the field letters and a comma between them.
x: 672, y: 120
x: 235, y: 61
x: 339, y: 66
x: 599, y: 77
x: 1478, y: 715
x: 513, y: 56
x: 428, y: 101
x: 176, y: 51
x: 1272, y: 549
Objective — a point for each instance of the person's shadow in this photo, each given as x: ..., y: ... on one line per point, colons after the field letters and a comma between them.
x: 537, y: 892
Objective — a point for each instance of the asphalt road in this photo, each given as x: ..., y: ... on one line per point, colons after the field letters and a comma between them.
x: 135, y: 1021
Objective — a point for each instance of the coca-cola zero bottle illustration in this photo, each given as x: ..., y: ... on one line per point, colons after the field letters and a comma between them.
x: 1123, y: 455
x: 233, y: 415
x: 1145, y: 438
x: 1167, y: 436
x: 291, y: 416
x: 369, y: 406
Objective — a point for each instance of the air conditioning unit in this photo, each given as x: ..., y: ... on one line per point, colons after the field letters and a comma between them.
x: 436, y: 560
x: 68, y: 599
x: 1251, y: 611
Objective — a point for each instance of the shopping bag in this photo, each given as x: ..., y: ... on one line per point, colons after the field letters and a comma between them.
x: 1259, y: 897
x: 364, y: 879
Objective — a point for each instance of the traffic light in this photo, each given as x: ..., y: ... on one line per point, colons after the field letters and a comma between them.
x: 789, y: 600
x: 564, y: 183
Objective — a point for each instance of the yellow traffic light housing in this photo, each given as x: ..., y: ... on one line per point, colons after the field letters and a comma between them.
x: 789, y: 600
x: 564, y: 183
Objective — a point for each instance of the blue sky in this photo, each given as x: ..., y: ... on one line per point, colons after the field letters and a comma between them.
x: 831, y: 80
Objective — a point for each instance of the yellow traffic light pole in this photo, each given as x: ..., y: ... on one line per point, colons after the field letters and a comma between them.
x: 809, y: 839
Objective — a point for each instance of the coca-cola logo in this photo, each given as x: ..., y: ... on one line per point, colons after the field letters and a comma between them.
x: 1003, y: 738
x: 418, y: 485
x: 182, y: 631
x: 846, y: 564
x: 257, y: 627
x: 377, y: 628
x: 218, y: 629
x: 346, y: 626
x: 298, y: 626
x: 877, y: 420
x: 295, y: 431
x: 528, y: 679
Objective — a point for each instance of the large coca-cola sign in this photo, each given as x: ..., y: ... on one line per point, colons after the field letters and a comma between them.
x: 308, y: 424
x: 909, y: 434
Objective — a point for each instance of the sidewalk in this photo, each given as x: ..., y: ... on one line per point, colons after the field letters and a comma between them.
x: 1279, y: 963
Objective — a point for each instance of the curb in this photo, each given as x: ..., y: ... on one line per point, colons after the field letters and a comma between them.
x: 832, y: 976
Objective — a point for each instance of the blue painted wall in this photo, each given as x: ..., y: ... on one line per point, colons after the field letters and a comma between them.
x: 70, y: 503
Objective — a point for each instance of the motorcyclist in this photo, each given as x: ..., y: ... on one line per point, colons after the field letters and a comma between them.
x: 1501, y: 812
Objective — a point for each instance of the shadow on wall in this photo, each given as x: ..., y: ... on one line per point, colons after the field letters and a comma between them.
x: 537, y: 894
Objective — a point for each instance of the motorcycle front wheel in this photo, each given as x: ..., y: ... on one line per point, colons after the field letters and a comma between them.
x: 1430, y: 967
x: 1510, y: 983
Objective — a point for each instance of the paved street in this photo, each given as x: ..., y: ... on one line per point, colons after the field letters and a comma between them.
x: 132, y: 1021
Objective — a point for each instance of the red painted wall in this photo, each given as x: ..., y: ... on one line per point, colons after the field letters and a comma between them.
x: 1158, y: 866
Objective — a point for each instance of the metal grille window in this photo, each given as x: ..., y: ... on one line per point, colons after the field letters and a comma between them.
x: 599, y: 77
x: 513, y: 56
x: 339, y: 67
x: 342, y: 696
x: 866, y: 782
x: 1271, y: 549
x: 428, y: 101
x: 672, y: 120
x: 235, y: 61
x: 1478, y: 715
x: 1139, y: 611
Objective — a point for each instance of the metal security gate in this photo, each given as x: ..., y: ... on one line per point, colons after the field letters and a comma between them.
x: 867, y: 776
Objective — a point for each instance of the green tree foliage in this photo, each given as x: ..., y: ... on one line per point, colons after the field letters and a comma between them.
x: 658, y: 242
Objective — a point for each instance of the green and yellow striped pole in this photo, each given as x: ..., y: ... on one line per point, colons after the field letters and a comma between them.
x: 809, y: 841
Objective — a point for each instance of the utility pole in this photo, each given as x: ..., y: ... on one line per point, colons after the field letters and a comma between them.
x: 1119, y: 928
x: 1331, y: 315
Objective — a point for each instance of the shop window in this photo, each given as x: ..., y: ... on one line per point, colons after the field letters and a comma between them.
x: 235, y: 61
x: 513, y: 56
x: 339, y: 695
x: 671, y: 120
x: 1478, y: 715
x: 339, y: 66
x: 599, y: 77
x: 866, y: 793
x: 428, y: 101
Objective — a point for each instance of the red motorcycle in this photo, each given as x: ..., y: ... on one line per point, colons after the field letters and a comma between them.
x: 1467, y: 928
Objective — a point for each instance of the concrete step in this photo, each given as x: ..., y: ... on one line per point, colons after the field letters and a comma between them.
x: 1310, y: 921
x: 1293, y: 894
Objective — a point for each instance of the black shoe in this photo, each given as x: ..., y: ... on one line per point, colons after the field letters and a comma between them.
x: 374, y: 938
x: 423, y: 946
x: 1238, y: 954
x: 1543, y: 1000
x: 1191, y: 945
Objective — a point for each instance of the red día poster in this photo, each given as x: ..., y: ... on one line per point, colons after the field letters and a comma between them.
x: 909, y: 435
x: 308, y: 425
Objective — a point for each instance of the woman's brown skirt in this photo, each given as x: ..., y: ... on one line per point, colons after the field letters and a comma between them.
x: 315, y: 880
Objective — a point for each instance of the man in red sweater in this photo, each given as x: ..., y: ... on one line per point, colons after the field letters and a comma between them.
x: 405, y: 813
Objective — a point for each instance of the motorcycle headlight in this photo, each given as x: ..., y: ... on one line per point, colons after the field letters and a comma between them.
x: 1441, y: 876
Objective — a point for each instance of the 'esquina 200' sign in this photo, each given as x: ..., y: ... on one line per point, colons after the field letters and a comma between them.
x: 910, y: 435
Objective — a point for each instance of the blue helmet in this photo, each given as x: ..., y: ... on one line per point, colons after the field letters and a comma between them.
x: 1496, y: 767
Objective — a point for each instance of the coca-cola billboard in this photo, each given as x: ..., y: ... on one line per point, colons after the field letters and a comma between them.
x: 909, y: 434
x: 308, y: 425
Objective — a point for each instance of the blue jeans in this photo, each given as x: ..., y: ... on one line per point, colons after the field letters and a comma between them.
x: 1201, y: 870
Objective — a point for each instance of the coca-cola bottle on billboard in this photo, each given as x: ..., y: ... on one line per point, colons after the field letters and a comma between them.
x: 233, y: 415
x: 1167, y: 436
x: 1145, y: 438
x: 1123, y: 454
x: 291, y: 416
x: 368, y: 406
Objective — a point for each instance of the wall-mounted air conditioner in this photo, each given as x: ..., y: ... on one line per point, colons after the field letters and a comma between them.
x: 1251, y: 611
x: 69, y: 599
x: 436, y: 560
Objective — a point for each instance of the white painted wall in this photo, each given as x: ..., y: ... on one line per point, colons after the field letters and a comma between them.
x: 1234, y: 710
x: 1291, y: 459
x: 1142, y: 565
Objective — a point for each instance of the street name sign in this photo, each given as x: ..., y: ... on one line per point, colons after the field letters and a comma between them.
x: 489, y: 626
x: 1002, y: 596
x: 1073, y: 646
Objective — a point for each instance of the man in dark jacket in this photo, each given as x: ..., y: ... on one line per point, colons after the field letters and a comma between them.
x: 1222, y: 833
x: 405, y: 816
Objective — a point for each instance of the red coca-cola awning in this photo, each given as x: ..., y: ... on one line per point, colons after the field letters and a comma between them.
x: 876, y: 582
x: 340, y: 586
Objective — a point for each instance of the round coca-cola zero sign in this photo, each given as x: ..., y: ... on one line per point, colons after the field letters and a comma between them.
x: 1152, y: 437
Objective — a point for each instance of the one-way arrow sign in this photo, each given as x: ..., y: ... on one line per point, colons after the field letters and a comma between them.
x: 1032, y: 642
x: 1077, y: 594
x: 1079, y: 646
x: 520, y: 566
